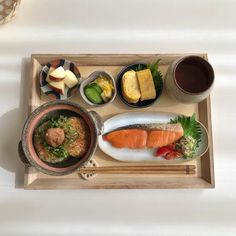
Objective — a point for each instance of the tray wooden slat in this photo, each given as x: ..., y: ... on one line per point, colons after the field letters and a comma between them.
x: 87, y: 63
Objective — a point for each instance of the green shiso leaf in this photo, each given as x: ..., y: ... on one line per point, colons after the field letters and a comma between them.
x: 190, y: 126
x: 156, y: 74
x: 140, y: 67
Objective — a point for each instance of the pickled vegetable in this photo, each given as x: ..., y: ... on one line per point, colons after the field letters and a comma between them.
x: 98, y: 88
x: 106, y: 86
x: 93, y: 95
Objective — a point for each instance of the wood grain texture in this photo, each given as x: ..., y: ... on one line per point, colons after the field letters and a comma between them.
x: 144, y: 169
x: 87, y: 63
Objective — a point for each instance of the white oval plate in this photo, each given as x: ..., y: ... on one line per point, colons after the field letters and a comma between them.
x: 125, y: 154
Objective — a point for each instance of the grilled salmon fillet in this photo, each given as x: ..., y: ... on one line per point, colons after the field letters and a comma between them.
x: 150, y: 137
x: 127, y: 138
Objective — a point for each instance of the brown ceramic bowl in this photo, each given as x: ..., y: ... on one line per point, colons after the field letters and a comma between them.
x: 48, y: 110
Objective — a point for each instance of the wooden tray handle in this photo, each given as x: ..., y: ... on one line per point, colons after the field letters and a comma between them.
x: 22, y: 155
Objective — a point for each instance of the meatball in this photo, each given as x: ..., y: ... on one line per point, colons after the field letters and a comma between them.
x: 54, y: 136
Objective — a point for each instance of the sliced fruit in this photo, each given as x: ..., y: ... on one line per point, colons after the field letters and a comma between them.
x: 58, y: 87
x: 93, y: 95
x: 70, y: 79
x: 58, y: 74
x: 51, y: 69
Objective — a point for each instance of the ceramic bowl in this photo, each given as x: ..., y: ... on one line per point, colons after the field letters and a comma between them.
x: 49, y: 92
x: 139, y: 104
x: 176, y: 92
x: 89, y: 80
x: 45, y: 112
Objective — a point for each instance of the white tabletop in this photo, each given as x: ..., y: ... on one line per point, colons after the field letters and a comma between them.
x: 119, y: 26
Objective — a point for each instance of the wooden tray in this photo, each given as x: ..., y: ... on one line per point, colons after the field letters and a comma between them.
x: 204, y: 177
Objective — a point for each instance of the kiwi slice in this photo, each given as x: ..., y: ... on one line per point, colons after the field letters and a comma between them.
x: 93, y: 95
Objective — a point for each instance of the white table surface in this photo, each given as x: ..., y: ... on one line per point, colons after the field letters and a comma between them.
x: 119, y: 26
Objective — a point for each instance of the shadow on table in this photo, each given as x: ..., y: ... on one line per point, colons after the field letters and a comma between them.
x: 11, y: 124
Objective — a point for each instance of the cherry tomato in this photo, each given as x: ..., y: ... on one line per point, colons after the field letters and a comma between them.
x: 163, y: 151
x: 172, y: 155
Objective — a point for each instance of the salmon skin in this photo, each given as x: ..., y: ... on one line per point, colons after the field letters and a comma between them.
x: 151, y: 126
x: 142, y: 136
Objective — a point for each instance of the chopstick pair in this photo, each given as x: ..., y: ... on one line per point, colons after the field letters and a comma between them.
x: 146, y: 169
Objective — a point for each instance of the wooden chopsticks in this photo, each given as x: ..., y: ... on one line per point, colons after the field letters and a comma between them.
x: 145, y: 169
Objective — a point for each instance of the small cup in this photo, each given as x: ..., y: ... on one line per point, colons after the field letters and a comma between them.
x: 189, y: 79
x: 89, y: 80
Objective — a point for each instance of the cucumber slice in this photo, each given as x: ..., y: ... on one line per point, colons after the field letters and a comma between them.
x: 93, y: 95
x: 96, y: 86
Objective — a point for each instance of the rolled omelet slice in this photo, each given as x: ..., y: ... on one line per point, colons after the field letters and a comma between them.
x: 130, y: 87
x: 146, y: 84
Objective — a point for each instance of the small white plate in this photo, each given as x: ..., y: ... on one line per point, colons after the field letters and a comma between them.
x: 125, y: 154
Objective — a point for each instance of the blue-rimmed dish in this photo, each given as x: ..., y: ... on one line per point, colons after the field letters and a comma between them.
x: 48, y: 91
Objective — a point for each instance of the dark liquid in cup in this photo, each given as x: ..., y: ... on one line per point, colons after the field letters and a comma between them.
x: 194, y: 75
